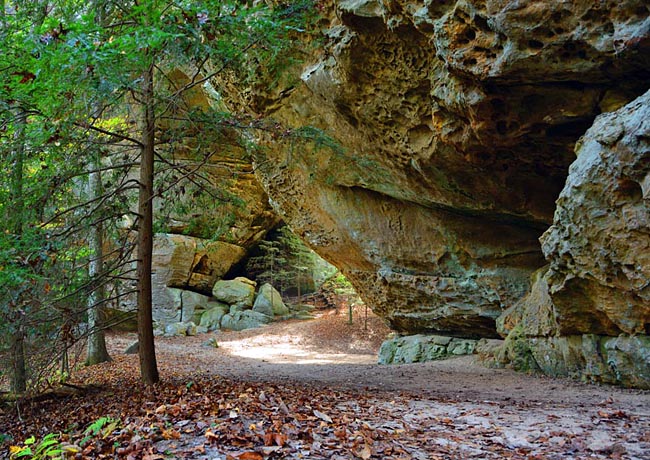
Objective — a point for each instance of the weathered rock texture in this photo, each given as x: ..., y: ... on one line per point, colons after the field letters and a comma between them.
x: 229, y: 205
x: 458, y: 122
x: 588, y: 314
x: 421, y: 348
x: 599, y: 244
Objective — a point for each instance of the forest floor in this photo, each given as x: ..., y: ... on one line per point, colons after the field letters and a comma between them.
x: 312, y: 390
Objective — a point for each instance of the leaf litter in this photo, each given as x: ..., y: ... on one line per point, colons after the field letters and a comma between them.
x: 198, y: 413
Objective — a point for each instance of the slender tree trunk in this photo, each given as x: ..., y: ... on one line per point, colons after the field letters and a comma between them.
x: 97, y: 352
x: 18, y: 377
x: 147, y: 351
x: 19, y: 370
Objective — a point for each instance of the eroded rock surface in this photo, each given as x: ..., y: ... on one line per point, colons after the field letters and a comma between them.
x: 457, y: 122
x: 186, y: 262
x: 599, y: 244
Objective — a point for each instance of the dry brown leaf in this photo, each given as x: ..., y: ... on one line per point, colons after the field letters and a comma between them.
x: 170, y: 434
x: 279, y: 439
x: 365, y: 453
x: 210, y: 436
x: 250, y: 455
x: 161, y: 409
x: 322, y: 416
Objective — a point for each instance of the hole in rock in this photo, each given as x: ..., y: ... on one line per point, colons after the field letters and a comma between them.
x: 572, y: 129
x: 498, y: 106
x: 535, y: 44
x: 202, y: 267
x: 470, y: 34
x: 558, y: 16
x: 629, y: 190
x: 481, y: 22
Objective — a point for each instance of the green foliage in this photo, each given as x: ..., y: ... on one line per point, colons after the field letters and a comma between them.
x: 205, y: 212
x: 102, y: 427
x: 270, y: 265
x: 287, y: 263
x: 51, y: 445
x: 48, y: 447
x: 72, y: 93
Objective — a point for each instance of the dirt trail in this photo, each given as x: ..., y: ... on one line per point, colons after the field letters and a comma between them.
x: 314, y: 388
x: 328, y: 351
x: 536, y: 414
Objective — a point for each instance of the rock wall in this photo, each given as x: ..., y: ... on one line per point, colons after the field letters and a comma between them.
x: 589, y: 313
x: 599, y: 244
x: 457, y: 122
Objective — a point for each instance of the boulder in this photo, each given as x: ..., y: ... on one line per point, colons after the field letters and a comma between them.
x: 245, y: 280
x: 422, y: 348
x: 247, y: 319
x: 211, y: 343
x: 238, y: 307
x: 120, y: 320
x: 180, y: 329
x: 269, y: 302
x: 620, y: 360
x: 211, y: 317
x: 173, y: 305
x: 599, y: 244
x: 212, y: 260
x: 133, y: 349
x: 172, y: 260
x: 181, y: 261
x: 235, y: 292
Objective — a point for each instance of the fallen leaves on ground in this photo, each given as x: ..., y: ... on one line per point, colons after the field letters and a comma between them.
x: 267, y: 415
x: 208, y: 417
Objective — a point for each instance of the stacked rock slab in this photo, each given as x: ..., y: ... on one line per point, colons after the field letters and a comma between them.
x: 184, y: 270
x: 457, y: 122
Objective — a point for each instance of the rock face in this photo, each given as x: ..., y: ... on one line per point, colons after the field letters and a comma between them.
x: 588, y: 314
x: 599, y: 244
x: 457, y: 122
x: 420, y: 348
x: 247, y: 319
x: 235, y: 292
x: 181, y: 261
x: 227, y: 204
x: 183, y: 265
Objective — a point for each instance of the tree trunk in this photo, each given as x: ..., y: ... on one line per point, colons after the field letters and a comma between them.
x: 18, y: 377
x: 147, y: 351
x: 97, y: 352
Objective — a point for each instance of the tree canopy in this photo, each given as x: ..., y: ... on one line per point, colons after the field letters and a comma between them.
x: 97, y: 112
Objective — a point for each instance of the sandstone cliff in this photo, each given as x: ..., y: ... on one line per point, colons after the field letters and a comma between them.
x: 458, y: 122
